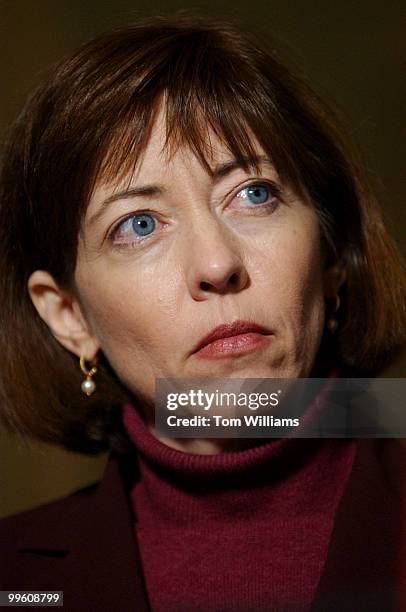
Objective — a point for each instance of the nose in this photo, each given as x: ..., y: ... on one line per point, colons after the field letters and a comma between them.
x: 215, y: 263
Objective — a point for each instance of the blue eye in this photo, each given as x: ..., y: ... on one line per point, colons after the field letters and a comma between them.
x: 257, y: 194
x: 132, y: 229
x: 143, y: 224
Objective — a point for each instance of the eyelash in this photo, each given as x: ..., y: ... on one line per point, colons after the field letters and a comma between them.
x: 275, y: 193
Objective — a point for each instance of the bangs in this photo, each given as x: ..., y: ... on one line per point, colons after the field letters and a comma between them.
x: 204, y: 89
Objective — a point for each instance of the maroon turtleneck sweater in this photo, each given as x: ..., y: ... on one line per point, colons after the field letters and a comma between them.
x: 239, y: 531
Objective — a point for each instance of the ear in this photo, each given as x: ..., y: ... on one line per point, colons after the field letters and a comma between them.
x: 333, y: 278
x: 63, y: 315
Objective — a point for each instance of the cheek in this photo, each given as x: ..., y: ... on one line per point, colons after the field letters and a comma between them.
x: 131, y: 318
x: 304, y: 288
x: 293, y: 277
x: 293, y: 262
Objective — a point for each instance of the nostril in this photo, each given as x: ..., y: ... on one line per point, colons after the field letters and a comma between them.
x: 232, y: 281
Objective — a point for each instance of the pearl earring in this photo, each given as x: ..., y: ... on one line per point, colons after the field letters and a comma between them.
x: 88, y: 385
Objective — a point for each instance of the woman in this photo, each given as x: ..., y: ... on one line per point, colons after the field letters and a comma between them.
x: 168, y: 187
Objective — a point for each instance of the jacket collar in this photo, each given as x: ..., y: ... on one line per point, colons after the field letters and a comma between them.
x: 363, y: 570
x: 87, y: 539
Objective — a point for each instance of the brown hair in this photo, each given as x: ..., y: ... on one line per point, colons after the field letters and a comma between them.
x: 92, y: 117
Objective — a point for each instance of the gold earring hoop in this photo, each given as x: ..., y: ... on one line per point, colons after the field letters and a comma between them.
x: 332, y: 323
x: 88, y: 386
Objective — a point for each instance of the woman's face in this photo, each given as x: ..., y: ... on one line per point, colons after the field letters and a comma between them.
x: 177, y: 252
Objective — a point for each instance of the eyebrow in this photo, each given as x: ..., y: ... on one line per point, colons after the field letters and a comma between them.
x: 148, y: 191
x: 223, y: 170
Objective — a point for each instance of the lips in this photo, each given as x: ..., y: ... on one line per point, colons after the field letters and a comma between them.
x: 227, y: 330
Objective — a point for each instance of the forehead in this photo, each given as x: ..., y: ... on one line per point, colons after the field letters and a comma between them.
x: 162, y: 156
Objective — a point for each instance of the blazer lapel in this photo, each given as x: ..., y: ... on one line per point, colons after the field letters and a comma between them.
x: 363, y: 567
x: 83, y: 545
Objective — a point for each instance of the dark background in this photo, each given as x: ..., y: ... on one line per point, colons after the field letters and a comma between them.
x: 353, y: 53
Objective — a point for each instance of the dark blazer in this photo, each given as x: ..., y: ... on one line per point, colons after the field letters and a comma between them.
x: 84, y: 544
